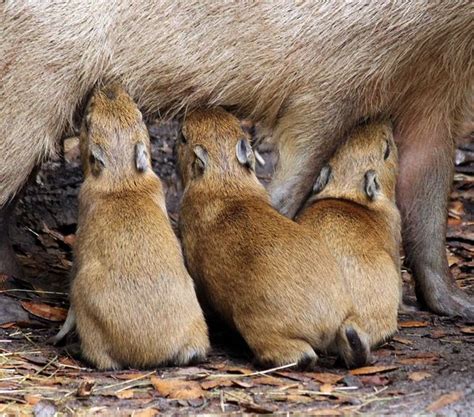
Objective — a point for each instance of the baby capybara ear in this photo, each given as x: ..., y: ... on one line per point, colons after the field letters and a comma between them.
x: 322, y: 179
x: 371, y: 184
x: 142, y: 157
x: 245, y: 154
x: 201, y: 161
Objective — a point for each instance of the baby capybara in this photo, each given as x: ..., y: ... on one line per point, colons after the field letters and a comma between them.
x: 353, y: 210
x: 134, y: 302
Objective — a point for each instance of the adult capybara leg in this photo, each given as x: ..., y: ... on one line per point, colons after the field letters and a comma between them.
x: 425, y: 177
x: 304, y: 146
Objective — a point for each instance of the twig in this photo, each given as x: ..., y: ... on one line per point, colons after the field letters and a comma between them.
x: 265, y: 372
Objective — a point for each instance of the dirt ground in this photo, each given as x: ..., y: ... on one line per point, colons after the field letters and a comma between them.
x: 428, y: 367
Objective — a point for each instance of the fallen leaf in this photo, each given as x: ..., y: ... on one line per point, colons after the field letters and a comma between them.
x: 421, y: 358
x: 419, y: 361
x: 243, y: 383
x: 125, y: 394
x: 327, y: 412
x: 402, y: 340
x: 437, y: 334
x: 131, y: 375
x: 418, y: 376
x: 325, y: 377
x: 85, y: 389
x: 375, y: 380
x: 467, y: 330
x: 147, y: 412
x: 217, y: 382
x: 413, y: 323
x: 444, y: 400
x: 456, y: 209
x: 295, y: 398
x: 245, y: 400
x: 326, y: 388
x: 269, y: 380
x: 45, y: 311
x: 32, y: 399
x: 177, y: 389
x: 369, y: 370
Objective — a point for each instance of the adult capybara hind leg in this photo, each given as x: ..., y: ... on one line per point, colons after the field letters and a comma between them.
x: 426, y: 171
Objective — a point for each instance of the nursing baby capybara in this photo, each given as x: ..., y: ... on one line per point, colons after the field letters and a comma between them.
x: 353, y: 209
x: 308, y: 71
x: 132, y: 299
x: 264, y: 274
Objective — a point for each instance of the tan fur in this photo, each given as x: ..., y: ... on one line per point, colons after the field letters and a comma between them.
x: 133, y: 299
x: 363, y: 234
x: 308, y: 71
x: 263, y: 273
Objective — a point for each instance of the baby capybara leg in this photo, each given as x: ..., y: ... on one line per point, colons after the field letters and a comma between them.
x: 425, y: 176
x: 353, y: 344
x: 273, y: 350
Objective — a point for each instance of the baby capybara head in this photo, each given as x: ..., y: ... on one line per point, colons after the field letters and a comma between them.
x: 364, y: 167
x: 213, y: 145
x: 114, y: 139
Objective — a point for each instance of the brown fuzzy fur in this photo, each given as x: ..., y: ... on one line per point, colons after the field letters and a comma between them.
x: 133, y: 300
x: 307, y: 71
x: 263, y: 273
x: 363, y: 233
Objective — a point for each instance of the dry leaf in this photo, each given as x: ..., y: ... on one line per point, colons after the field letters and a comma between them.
x: 128, y: 376
x: 369, y: 370
x: 147, y: 412
x: 243, y: 383
x: 177, y: 389
x: 125, y: 394
x: 217, y: 382
x: 467, y: 330
x: 327, y: 412
x: 326, y: 388
x: 32, y: 399
x: 444, y: 400
x: 85, y: 388
x: 437, y: 334
x: 413, y: 323
x: 45, y: 311
x: 402, y: 340
x: 421, y: 358
x: 269, y: 380
x: 374, y: 380
x: 295, y: 398
x: 326, y: 377
x: 419, y: 376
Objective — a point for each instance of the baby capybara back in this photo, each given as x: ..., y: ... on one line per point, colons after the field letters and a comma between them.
x: 133, y: 299
x: 353, y: 209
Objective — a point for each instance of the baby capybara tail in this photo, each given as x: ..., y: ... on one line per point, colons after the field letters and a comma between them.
x: 353, y: 344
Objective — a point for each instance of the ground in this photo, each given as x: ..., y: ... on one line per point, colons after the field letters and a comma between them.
x: 426, y: 368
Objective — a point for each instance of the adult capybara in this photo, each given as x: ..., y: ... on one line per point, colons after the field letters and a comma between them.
x: 309, y: 71
x: 132, y: 299
x: 267, y: 276
x: 353, y: 210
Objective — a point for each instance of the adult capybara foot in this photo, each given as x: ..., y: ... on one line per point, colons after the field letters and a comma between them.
x: 286, y: 352
x: 448, y: 300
